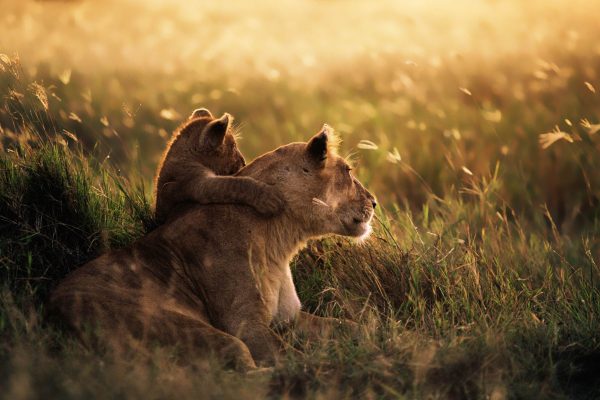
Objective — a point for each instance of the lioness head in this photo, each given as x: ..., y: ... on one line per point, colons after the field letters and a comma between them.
x: 318, y: 185
x: 213, y: 140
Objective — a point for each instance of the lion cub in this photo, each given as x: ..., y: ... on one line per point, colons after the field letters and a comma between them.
x: 197, y: 167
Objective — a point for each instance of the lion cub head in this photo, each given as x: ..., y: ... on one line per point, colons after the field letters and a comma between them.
x: 213, y: 141
x: 318, y: 185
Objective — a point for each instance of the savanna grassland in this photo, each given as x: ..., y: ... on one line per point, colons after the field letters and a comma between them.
x: 476, y: 124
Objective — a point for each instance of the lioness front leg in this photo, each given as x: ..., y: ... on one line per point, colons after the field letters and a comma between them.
x: 199, y: 336
x: 315, y: 327
x: 251, y: 325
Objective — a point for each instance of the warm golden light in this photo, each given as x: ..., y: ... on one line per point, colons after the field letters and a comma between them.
x: 295, y: 37
x: 474, y: 123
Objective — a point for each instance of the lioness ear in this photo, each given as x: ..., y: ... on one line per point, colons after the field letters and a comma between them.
x: 201, y: 112
x: 215, y: 131
x: 317, y: 145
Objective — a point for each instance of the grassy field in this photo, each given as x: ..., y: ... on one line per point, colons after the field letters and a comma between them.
x: 476, y: 124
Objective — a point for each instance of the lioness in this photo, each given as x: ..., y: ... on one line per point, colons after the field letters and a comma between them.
x: 217, y: 277
x: 197, y: 167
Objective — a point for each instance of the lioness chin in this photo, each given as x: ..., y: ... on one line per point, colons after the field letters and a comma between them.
x: 217, y: 277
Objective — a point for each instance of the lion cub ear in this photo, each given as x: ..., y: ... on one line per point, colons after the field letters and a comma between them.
x: 214, y: 132
x: 201, y: 112
x: 317, y: 147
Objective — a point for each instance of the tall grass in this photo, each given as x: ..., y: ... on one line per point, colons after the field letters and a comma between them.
x: 457, y: 302
x: 56, y: 215
x: 464, y: 299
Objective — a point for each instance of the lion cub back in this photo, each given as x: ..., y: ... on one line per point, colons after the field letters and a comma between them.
x: 201, y: 148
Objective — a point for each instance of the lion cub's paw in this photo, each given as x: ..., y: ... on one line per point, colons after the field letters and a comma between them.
x: 269, y: 202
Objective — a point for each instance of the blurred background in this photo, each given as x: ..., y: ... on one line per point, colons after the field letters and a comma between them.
x: 434, y: 100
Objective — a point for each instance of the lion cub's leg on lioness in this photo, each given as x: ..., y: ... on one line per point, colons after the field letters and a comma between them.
x: 198, y: 166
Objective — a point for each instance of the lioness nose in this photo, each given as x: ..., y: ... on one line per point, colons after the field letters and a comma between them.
x: 374, y: 203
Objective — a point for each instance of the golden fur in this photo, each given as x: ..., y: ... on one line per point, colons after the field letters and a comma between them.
x: 217, y: 277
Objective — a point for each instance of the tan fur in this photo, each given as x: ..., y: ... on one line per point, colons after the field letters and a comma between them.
x: 197, y: 167
x: 216, y: 277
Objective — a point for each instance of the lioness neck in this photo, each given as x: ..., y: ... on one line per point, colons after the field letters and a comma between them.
x: 283, y: 239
